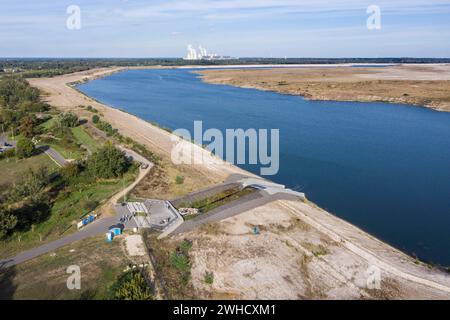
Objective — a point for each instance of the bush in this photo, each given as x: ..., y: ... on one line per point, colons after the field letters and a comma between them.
x: 108, y: 162
x: 179, y: 180
x: 91, y: 109
x: 131, y: 286
x: 68, y: 119
x: 7, y: 223
x: 95, y: 118
x: 209, y: 277
x: 89, y: 205
x: 25, y: 148
x: 106, y: 127
x: 70, y: 171
x: 181, y: 262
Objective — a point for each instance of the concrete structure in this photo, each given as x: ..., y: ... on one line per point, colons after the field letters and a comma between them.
x: 151, y: 214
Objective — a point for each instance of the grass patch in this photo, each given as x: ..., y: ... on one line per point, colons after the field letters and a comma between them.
x: 85, y: 139
x: 49, y: 123
x: 13, y: 169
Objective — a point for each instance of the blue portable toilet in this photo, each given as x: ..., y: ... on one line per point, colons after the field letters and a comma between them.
x: 85, y: 221
x: 109, y: 236
x: 117, y: 231
x: 91, y: 218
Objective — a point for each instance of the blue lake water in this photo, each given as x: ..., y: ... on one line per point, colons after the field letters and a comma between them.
x: 382, y: 167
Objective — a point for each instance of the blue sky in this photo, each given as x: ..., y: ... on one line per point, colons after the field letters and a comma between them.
x: 241, y: 28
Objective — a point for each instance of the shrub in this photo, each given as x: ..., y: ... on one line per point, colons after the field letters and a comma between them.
x: 209, y: 277
x: 70, y: 171
x: 179, y: 259
x: 95, y: 118
x: 131, y: 286
x: 25, y: 148
x: 92, y: 109
x: 7, y: 223
x: 68, y: 119
x: 179, y: 180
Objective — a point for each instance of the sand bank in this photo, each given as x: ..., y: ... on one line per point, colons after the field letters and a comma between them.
x: 337, y: 270
x: 422, y: 85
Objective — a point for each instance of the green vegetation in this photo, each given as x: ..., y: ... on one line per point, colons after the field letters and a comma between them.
x: 68, y: 120
x: 172, y: 265
x: 91, y: 109
x: 13, y: 169
x: 217, y: 200
x: 179, y: 180
x: 181, y: 262
x: 39, y: 202
x: 108, y: 162
x: 209, y: 277
x: 28, y: 126
x: 95, y: 119
x: 52, y: 212
x: 50, y: 67
x: 18, y: 103
x: 84, y: 138
x: 71, y: 142
x: 131, y: 286
x: 106, y: 127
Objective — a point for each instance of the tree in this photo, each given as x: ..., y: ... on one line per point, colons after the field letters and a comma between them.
x: 7, y: 222
x: 27, y: 126
x: 68, y: 119
x: 24, y: 148
x: 32, y: 185
x: 108, y: 162
x: 70, y: 171
x: 95, y: 118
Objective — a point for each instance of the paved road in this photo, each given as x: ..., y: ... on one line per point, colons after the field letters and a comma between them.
x: 98, y: 227
x: 234, y: 208
x: 54, y: 155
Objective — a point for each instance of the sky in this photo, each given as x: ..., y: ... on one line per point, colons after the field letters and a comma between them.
x: 238, y: 28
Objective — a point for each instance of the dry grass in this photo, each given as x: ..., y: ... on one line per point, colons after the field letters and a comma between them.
x: 45, y: 277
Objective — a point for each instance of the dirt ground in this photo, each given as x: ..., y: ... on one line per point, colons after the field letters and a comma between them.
x: 45, y: 277
x: 297, y: 255
x: 423, y: 85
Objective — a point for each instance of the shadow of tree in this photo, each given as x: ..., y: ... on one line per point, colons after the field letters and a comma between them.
x: 7, y: 286
x: 31, y: 213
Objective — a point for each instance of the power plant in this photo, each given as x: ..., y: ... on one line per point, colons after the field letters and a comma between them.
x: 202, y: 54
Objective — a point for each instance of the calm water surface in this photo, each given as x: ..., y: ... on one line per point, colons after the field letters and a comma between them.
x: 382, y: 167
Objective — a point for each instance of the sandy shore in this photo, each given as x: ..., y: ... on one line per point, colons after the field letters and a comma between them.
x: 407, y: 278
x: 59, y: 93
x: 422, y: 85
